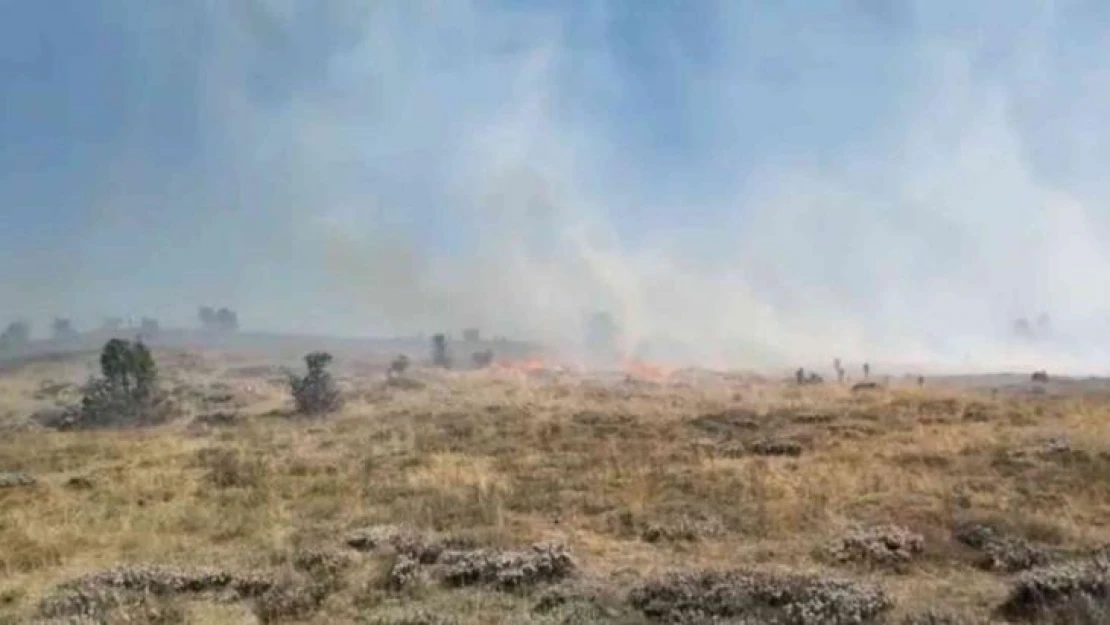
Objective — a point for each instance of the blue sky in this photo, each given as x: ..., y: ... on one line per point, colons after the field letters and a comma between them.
x: 746, y: 180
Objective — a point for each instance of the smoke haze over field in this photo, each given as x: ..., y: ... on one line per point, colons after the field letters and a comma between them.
x: 738, y: 183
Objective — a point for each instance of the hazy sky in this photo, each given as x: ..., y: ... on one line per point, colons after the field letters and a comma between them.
x: 737, y: 182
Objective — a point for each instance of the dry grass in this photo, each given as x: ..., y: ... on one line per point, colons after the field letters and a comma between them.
x: 636, y: 478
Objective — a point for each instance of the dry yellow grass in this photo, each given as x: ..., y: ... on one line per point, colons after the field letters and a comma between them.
x: 510, y: 459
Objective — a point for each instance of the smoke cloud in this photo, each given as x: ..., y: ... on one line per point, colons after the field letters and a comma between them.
x: 739, y: 185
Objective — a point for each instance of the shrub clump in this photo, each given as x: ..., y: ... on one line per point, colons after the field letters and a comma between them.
x: 887, y: 546
x: 99, y: 597
x: 1074, y: 592
x: 457, y: 563
x: 290, y: 599
x: 759, y: 597
x: 776, y: 447
x: 12, y: 479
x: 999, y: 552
x: 126, y: 393
x: 227, y: 468
x: 316, y: 393
x: 508, y: 570
x: 414, y: 617
x: 404, y: 573
x: 98, y: 594
x: 939, y: 617
x: 421, y: 546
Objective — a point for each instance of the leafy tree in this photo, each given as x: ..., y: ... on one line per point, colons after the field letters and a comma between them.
x: 222, y: 320
x: 127, y: 392
x: 602, y: 334
x: 482, y: 359
x: 227, y: 320
x: 17, y: 334
x: 316, y: 393
x: 149, y: 327
x: 440, y: 357
x: 112, y: 324
x: 62, y: 329
x: 398, y: 366
x: 207, y: 316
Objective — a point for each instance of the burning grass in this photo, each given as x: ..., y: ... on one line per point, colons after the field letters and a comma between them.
x: 638, y: 477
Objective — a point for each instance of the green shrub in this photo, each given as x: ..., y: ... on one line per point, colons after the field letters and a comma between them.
x: 127, y: 392
x: 316, y: 393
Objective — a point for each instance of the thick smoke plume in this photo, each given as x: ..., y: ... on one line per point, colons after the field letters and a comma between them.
x: 736, y: 184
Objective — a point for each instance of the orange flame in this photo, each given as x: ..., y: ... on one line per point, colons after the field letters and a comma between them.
x: 647, y: 371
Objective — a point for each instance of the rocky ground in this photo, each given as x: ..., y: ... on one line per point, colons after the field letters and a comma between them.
x: 531, y: 497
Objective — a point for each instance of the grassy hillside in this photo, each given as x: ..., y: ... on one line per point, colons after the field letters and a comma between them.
x: 420, y: 501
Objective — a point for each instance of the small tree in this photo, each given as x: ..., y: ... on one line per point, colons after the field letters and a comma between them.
x: 62, y: 330
x: 17, y: 334
x: 127, y: 391
x: 207, y: 317
x: 398, y: 366
x: 222, y: 320
x: 602, y: 336
x: 440, y: 357
x: 112, y: 324
x: 149, y: 327
x: 227, y: 320
x: 482, y: 359
x: 316, y: 393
